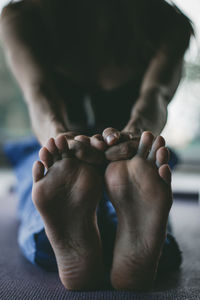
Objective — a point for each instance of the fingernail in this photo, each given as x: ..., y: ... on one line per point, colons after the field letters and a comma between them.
x: 111, y: 138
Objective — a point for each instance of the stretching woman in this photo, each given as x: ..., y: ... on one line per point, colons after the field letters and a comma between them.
x: 95, y: 75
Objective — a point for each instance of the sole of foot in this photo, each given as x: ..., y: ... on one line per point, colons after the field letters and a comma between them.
x: 66, y: 198
x: 140, y: 190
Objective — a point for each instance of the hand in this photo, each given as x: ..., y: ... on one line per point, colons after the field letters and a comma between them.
x: 122, y: 145
x: 87, y: 149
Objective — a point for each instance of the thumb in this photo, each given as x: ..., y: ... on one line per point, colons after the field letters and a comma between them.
x: 111, y: 136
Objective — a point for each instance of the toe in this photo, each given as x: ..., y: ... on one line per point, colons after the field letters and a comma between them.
x: 52, y: 148
x: 158, y: 143
x: 145, y: 144
x: 97, y: 142
x: 62, y: 145
x: 38, y: 171
x: 165, y: 173
x: 46, y: 157
x: 162, y: 156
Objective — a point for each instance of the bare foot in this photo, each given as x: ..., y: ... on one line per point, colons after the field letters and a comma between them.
x: 67, y: 197
x: 141, y: 194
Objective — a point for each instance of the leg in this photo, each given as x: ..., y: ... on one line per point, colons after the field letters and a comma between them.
x: 140, y: 191
x: 67, y: 197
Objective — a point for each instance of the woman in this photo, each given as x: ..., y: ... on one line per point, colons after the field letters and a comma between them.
x: 87, y: 67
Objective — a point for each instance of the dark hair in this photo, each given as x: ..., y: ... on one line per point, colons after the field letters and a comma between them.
x: 128, y: 29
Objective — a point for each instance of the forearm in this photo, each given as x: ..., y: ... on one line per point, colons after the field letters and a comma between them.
x: 46, y: 116
x: 157, y: 89
x: 149, y: 113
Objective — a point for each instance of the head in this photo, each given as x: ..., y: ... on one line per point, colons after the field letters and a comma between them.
x: 112, y: 22
x: 127, y: 28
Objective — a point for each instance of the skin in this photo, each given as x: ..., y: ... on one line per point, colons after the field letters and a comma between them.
x: 33, y: 68
x: 73, y: 158
x: 73, y: 189
x: 141, y: 194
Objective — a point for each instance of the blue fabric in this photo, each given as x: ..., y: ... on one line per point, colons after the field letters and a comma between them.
x: 32, y: 238
x: 22, y: 155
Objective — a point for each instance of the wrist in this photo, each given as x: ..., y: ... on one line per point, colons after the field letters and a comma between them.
x: 49, y: 130
x: 68, y: 134
x: 134, y: 127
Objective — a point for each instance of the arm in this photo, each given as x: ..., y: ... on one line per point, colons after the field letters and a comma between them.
x: 164, y: 72
x: 29, y: 64
x: 158, y: 87
x: 42, y: 98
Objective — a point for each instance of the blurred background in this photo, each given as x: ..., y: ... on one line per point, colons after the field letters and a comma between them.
x: 182, y: 131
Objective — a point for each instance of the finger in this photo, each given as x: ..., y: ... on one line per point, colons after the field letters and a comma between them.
x: 122, y: 151
x: 111, y: 136
x: 98, y: 142
x: 145, y: 144
x: 82, y: 138
x: 86, y: 153
x: 127, y: 136
x: 69, y: 135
